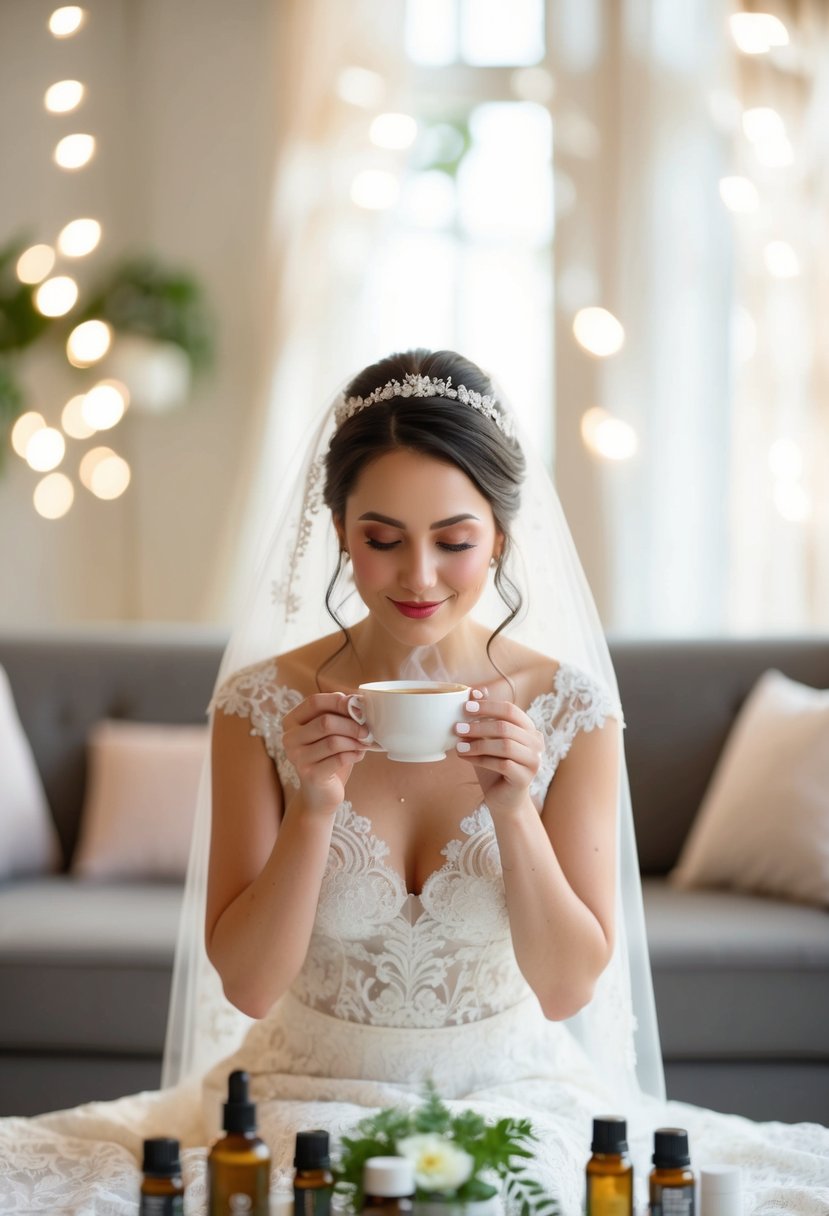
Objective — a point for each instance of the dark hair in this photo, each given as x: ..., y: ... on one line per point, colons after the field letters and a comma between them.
x: 440, y: 427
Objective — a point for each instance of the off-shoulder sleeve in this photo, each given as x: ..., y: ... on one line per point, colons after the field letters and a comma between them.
x: 254, y: 693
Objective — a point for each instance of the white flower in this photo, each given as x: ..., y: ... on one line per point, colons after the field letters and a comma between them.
x: 439, y: 1165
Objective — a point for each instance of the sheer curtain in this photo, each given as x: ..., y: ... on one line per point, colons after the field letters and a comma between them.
x: 313, y: 255
x: 646, y: 237
x: 780, y: 464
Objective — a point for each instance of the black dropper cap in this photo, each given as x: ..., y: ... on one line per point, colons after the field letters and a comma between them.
x: 670, y: 1148
x: 312, y: 1150
x: 610, y: 1135
x: 162, y: 1157
x: 239, y: 1111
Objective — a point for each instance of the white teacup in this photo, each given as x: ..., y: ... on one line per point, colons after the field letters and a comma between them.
x: 412, y: 720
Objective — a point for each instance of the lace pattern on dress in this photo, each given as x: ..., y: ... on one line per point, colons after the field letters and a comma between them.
x: 382, y: 956
x: 253, y: 693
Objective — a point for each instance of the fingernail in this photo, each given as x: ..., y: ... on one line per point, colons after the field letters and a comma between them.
x: 462, y: 728
x: 476, y: 692
x: 463, y: 747
x: 472, y: 707
x: 366, y: 736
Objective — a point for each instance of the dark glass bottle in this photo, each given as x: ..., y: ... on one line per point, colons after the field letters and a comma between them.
x: 671, y: 1182
x: 162, y: 1188
x: 313, y: 1179
x: 609, y: 1172
x: 239, y: 1164
x: 388, y: 1186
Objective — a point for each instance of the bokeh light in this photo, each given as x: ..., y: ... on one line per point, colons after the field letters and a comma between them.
x: 53, y: 496
x: 35, y: 263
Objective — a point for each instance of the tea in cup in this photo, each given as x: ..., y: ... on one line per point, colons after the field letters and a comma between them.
x: 412, y: 720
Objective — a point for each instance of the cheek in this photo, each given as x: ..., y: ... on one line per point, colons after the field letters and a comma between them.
x: 369, y: 566
x: 469, y: 570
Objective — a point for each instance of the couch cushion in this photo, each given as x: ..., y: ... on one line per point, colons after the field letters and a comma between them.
x: 738, y: 976
x: 86, y: 966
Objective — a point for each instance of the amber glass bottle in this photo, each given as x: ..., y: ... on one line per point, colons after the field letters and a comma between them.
x: 239, y: 1164
x: 313, y: 1180
x: 609, y: 1172
x: 162, y: 1188
x: 671, y: 1182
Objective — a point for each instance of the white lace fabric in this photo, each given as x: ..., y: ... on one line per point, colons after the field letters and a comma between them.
x: 387, y: 957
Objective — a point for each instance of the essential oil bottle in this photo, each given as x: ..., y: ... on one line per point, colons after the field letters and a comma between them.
x: 162, y: 1188
x: 313, y: 1179
x: 671, y: 1181
x: 388, y: 1187
x: 239, y: 1164
x: 609, y: 1172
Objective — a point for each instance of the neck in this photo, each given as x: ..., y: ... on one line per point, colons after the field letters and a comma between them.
x: 461, y: 655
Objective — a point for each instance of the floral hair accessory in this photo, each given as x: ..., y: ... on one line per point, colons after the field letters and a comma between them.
x: 425, y: 386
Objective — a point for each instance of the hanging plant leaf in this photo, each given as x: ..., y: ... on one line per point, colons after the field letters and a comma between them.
x: 11, y: 404
x: 20, y: 322
x: 140, y: 296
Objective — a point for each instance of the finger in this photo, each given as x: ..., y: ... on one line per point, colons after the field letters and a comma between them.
x: 325, y: 725
x: 332, y: 746
x: 498, y: 750
x: 498, y: 728
x: 504, y: 710
x: 315, y: 705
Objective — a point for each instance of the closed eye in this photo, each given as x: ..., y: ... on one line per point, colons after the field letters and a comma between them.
x: 381, y: 544
x: 455, y: 548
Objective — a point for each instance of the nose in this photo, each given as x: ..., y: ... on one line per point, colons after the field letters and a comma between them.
x: 419, y: 573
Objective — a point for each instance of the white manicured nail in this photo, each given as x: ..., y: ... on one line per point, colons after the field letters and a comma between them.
x: 462, y: 728
x: 472, y: 707
x: 463, y: 747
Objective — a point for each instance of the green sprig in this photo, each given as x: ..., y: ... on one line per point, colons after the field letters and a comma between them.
x: 498, y: 1150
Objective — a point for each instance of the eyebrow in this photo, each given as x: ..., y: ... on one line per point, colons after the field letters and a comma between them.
x: 374, y: 517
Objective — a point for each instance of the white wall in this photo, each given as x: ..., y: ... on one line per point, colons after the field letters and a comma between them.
x: 181, y: 101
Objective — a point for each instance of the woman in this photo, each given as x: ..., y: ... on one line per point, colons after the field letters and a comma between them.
x: 476, y: 920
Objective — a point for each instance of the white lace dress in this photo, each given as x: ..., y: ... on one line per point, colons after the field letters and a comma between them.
x: 395, y: 988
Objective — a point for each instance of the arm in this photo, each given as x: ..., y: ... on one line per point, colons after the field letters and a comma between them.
x: 559, y: 867
x: 267, y: 861
x: 560, y: 875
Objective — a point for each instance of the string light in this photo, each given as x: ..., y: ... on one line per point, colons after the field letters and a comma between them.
x: 72, y: 419
x: 394, y: 131
x: 67, y: 20
x: 104, y: 405
x: 53, y: 496
x: 598, y: 331
x: 607, y: 436
x: 35, y: 263
x: 74, y: 151
x: 79, y: 238
x: 88, y: 343
x: 757, y: 33
x: 63, y: 96
x: 56, y: 296
x: 46, y: 449
x: 26, y: 426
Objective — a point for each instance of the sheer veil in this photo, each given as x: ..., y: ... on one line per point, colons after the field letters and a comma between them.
x: 285, y: 608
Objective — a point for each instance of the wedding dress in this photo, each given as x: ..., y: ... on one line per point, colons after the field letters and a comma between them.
x: 398, y: 987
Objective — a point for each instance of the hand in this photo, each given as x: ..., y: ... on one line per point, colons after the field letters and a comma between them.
x: 505, y: 748
x: 323, y: 743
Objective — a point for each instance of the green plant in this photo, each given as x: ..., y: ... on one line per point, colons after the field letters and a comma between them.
x: 458, y: 1158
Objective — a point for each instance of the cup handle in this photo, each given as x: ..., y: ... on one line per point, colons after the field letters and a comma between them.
x: 355, y: 708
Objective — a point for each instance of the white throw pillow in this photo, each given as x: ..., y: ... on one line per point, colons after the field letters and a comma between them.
x: 140, y: 800
x: 28, y: 839
x: 763, y: 825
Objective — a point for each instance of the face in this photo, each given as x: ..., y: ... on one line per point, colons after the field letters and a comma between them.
x: 421, y: 537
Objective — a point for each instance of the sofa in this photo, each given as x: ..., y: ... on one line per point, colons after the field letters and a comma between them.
x: 741, y: 981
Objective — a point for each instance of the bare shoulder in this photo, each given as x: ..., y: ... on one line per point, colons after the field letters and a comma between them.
x: 310, y: 668
x: 531, y: 672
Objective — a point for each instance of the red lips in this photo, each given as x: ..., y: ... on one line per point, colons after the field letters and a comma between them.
x: 416, y: 610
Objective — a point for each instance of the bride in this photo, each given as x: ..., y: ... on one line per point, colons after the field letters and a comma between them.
x: 354, y: 925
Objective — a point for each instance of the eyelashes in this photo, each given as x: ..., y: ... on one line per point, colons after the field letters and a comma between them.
x: 392, y: 544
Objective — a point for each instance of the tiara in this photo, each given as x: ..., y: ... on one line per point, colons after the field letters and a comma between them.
x: 425, y: 386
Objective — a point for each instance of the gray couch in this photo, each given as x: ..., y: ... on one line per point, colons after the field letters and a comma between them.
x: 742, y: 983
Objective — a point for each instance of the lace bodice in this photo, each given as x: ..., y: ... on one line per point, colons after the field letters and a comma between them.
x: 384, y: 956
